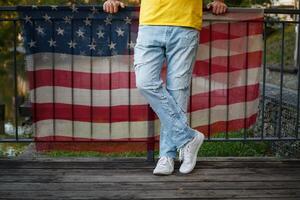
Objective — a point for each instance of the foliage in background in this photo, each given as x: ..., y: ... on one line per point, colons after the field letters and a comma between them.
x: 12, y: 149
x: 274, y: 46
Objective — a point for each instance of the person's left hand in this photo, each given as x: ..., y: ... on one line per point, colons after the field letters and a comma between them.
x: 217, y: 7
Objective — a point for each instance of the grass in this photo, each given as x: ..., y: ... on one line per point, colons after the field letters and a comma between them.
x: 246, y: 148
x: 57, y: 153
x: 235, y: 148
x: 12, y: 149
x: 274, y: 46
x: 211, y: 148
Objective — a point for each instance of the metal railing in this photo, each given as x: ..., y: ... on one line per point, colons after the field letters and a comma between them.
x: 266, y: 98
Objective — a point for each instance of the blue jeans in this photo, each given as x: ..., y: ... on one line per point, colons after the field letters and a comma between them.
x: 178, y: 45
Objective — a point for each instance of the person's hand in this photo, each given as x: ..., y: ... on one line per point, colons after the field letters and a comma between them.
x: 217, y: 7
x: 112, y: 6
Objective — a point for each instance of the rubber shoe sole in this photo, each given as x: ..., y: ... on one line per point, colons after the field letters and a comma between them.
x: 167, y: 170
x: 162, y: 174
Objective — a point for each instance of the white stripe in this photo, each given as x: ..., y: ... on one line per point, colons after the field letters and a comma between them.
x: 83, y: 96
x: 124, y: 63
x: 121, y: 96
x: 219, y: 80
x: 100, y: 130
x: 219, y: 112
x: 238, y: 16
x: 139, y: 129
x: 118, y: 63
x: 219, y: 47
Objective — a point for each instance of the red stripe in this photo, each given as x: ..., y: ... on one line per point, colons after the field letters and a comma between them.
x: 233, y: 125
x: 80, y: 139
x: 132, y: 145
x: 238, y: 46
x: 125, y: 113
x: 101, y: 81
x: 95, y: 114
x: 219, y: 97
x: 236, y: 62
x: 81, y: 80
x: 219, y: 31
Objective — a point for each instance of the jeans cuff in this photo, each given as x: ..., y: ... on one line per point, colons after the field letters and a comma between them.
x: 190, y: 137
x: 170, y: 155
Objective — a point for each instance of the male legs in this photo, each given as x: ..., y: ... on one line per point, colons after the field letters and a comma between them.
x: 181, y: 50
x: 152, y: 44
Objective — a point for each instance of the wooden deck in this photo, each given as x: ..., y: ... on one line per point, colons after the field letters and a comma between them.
x: 131, y: 178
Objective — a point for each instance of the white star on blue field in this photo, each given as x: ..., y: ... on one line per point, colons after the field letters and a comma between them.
x: 74, y: 30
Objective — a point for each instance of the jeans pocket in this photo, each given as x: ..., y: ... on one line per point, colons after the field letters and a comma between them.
x: 137, y: 56
x: 144, y: 36
x: 190, y: 38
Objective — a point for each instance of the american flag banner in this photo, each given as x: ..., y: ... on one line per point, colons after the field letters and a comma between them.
x: 82, y: 83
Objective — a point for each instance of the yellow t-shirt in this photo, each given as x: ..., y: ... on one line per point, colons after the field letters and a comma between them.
x: 171, y: 12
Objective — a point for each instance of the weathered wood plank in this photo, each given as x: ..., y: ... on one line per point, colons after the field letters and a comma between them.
x: 267, y: 198
x: 130, y: 165
x: 151, y: 194
x: 245, y: 198
x: 222, y: 171
x: 146, y: 176
x: 128, y: 179
x: 142, y: 159
x: 112, y: 186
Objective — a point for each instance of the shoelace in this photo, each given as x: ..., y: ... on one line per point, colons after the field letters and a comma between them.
x: 180, y: 155
x: 162, y: 162
x: 182, y: 152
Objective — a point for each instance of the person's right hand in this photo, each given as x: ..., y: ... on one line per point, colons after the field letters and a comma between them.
x: 112, y: 6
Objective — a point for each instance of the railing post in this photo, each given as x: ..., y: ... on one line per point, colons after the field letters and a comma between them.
x: 2, y: 118
x: 151, y: 135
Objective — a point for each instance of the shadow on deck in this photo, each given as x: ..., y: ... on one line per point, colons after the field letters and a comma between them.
x: 131, y: 178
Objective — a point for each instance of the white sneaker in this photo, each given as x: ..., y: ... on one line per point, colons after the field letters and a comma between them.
x: 164, y: 166
x: 188, y: 154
